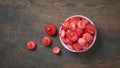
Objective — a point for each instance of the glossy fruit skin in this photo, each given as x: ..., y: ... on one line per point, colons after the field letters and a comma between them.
x: 82, y: 41
x: 72, y: 26
x: 65, y: 25
x: 31, y: 45
x: 81, y: 24
x: 50, y: 29
x: 46, y: 41
x: 90, y: 29
x: 56, y: 50
x: 88, y: 37
x: 72, y: 36
x: 77, y: 47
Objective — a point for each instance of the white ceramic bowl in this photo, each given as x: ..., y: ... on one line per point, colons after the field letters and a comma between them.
x: 95, y: 35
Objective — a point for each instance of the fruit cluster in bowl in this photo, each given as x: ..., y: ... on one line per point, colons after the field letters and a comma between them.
x: 77, y: 33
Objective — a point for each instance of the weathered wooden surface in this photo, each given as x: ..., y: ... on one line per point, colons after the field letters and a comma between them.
x: 23, y: 20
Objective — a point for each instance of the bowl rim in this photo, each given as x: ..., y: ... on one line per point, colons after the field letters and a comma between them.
x: 95, y: 36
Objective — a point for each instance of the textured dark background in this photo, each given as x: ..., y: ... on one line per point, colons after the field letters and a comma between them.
x: 23, y: 20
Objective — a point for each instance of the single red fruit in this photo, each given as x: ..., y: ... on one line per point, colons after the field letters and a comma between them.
x: 50, y: 29
x: 90, y: 29
x: 72, y: 26
x: 46, y: 41
x: 82, y: 41
x: 88, y: 37
x: 31, y: 45
x: 72, y: 36
x: 56, y: 50
x: 77, y: 47
x: 65, y: 25
x: 81, y: 24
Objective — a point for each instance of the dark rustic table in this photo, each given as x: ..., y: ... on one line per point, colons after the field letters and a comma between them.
x: 23, y: 20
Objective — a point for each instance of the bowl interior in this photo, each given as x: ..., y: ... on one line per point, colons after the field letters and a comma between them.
x: 95, y: 35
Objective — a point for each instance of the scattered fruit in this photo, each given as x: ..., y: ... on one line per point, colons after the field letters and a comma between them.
x: 50, y: 29
x: 56, y: 50
x: 31, y: 45
x: 46, y: 41
x: 77, y: 33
